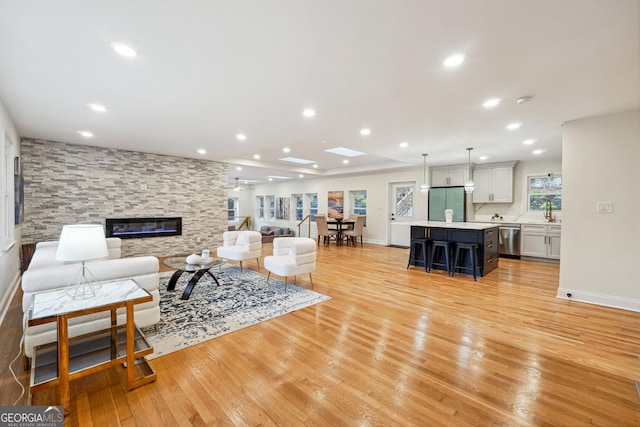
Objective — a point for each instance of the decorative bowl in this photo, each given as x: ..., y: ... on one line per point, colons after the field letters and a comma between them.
x: 194, y: 259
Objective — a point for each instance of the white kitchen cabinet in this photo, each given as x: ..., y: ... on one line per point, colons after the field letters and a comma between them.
x: 541, y: 240
x: 493, y: 183
x: 449, y: 176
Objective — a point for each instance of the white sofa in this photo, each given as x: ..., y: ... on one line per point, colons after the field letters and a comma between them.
x: 45, y: 273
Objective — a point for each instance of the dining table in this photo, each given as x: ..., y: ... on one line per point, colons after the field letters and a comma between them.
x: 340, y: 225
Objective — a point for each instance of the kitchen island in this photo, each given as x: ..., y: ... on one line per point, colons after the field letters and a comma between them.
x: 486, y: 235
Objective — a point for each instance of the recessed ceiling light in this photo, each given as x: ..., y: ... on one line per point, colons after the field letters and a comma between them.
x: 241, y: 137
x: 270, y: 179
x: 301, y: 176
x: 365, y: 131
x: 514, y: 126
x: 404, y: 144
x: 238, y: 168
x: 483, y: 157
x: 286, y: 149
x: 538, y: 151
x: 491, y: 102
x: 454, y: 60
x: 202, y: 151
x: 345, y: 161
x: 348, y: 152
x: 124, y: 50
x: 97, y: 108
x: 315, y: 165
x: 256, y: 156
x: 529, y: 141
x: 296, y: 160
x: 308, y: 112
x: 85, y: 133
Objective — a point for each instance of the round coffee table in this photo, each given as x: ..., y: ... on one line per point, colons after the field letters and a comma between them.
x: 198, y: 270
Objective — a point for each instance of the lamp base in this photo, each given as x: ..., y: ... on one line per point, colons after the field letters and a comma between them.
x: 83, y: 290
x: 85, y: 285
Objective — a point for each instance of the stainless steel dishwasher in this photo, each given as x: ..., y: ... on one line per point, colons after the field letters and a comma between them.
x: 510, y: 240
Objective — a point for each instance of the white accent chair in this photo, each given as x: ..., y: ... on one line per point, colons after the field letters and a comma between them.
x: 241, y: 246
x: 291, y: 256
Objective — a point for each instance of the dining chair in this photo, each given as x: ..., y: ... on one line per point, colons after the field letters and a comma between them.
x: 323, y: 230
x: 357, y: 230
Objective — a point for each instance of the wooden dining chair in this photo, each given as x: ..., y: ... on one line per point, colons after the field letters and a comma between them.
x: 323, y: 230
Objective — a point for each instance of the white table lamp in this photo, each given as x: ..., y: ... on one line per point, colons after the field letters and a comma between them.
x: 80, y: 243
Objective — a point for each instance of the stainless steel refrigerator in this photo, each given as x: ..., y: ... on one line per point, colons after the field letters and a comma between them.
x: 441, y: 198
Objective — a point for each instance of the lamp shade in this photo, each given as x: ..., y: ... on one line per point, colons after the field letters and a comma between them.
x: 82, y: 242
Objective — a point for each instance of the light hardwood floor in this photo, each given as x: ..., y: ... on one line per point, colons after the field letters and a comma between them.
x: 392, y: 347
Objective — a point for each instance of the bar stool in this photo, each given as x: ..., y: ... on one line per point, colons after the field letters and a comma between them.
x: 472, y: 249
x: 419, y: 251
x: 443, y: 245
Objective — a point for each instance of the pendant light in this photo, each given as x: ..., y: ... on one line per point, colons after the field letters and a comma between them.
x: 424, y: 188
x: 469, y: 185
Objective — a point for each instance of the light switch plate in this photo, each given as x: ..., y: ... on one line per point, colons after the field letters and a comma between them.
x: 604, y: 207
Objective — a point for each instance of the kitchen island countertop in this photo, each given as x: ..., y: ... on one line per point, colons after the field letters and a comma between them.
x: 458, y: 225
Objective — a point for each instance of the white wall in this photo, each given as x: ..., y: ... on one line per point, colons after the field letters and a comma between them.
x: 377, y: 187
x: 10, y: 260
x: 600, y: 250
x: 518, y: 209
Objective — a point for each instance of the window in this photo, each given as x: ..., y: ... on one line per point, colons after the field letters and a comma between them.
x: 7, y: 183
x: 359, y: 202
x: 271, y: 208
x: 260, y: 207
x: 233, y: 208
x: 298, y: 203
x: 404, y: 200
x: 313, y: 205
x: 544, y: 190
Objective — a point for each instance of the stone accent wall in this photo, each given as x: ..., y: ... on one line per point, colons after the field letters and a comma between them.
x: 80, y: 184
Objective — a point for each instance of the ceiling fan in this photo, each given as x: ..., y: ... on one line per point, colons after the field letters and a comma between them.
x: 236, y: 187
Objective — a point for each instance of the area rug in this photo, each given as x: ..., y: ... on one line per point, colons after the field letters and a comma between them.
x: 240, y: 301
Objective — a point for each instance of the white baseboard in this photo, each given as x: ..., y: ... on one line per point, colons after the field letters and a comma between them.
x: 8, y: 297
x: 599, y: 299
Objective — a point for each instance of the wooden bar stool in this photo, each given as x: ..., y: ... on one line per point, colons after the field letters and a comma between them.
x: 419, y: 251
x: 443, y: 245
x: 472, y: 249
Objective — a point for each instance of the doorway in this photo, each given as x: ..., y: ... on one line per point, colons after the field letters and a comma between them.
x: 402, y: 207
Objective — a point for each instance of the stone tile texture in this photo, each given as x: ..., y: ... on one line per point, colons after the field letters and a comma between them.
x: 80, y: 184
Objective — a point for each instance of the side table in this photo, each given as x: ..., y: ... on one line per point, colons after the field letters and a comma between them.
x: 70, y: 358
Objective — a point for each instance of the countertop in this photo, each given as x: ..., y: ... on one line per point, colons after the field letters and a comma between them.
x: 458, y: 225
x: 519, y: 221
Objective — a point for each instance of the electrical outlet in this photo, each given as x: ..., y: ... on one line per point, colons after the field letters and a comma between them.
x: 604, y: 207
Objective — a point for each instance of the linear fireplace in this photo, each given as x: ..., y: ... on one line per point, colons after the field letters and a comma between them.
x: 134, y: 228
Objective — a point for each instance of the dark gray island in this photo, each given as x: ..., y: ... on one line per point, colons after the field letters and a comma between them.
x: 484, y: 234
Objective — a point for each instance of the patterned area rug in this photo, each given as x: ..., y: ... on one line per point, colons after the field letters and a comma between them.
x: 241, y: 300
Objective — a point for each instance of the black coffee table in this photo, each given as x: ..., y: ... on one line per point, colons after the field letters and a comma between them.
x: 198, y: 270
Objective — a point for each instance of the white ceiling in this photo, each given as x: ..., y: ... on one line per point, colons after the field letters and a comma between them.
x: 209, y: 69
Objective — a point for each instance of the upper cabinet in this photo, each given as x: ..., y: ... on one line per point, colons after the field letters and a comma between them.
x: 449, y: 176
x: 493, y: 183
